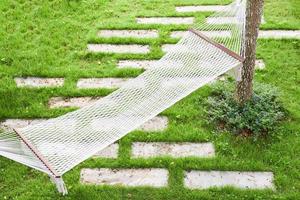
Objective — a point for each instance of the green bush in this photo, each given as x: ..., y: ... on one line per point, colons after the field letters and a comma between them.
x: 259, y: 116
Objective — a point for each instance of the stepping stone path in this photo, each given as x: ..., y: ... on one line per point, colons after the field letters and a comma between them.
x: 87, y: 83
x: 244, y: 180
x: 272, y: 34
x: 176, y: 150
x: 167, y: 47
x: 37, y: 82
x: 221, y: 34
x: 279, y: 34
x: 210, y: 8
x: 140, y: 64
x: 206, y: 8
x: 146, y: 64
x: 109, y: 152
x: 119, y: 48
x: 170, y: 47
x: 19, y: 123
x: 158, y: 123
x: 165, y: 20
x: 78, y: 102
x: 260, y: 64
x: 128, y: 33
x: 221, y: 20
x: 153, y: 177
x: 226, y: 20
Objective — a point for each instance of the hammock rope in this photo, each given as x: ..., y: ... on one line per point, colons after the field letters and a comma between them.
x: 58, y: 145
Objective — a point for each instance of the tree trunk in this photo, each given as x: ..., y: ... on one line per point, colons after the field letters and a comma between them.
x: 244, y: 88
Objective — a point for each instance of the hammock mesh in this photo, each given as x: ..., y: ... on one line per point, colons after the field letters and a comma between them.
x: 57, y: 145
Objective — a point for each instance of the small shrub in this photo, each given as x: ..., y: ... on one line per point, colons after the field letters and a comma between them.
x: 259, y: 116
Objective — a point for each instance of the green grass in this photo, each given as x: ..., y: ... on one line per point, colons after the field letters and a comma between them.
x: 282, y: 14
x: 49, y: 38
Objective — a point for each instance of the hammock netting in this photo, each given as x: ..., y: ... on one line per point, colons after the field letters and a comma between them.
x: 57, y: 145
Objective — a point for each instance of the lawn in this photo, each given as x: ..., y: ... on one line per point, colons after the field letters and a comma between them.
x: 49, y: 39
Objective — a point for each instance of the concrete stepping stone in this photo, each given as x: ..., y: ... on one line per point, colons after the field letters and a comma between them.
x: 19, y: 123
x: 243, y: 180
x: 226, y: 20
x: 200, y: 8
x: 274, y: 34
x: 119, y: 48
x: 165, y: 20
x: 140, y: 64
x: 260, y: 64
x: 78, y: 102
x: 147, y: 64
x: 221, y: 20
x: 279, y: 34
x: 128, y: 33
x: 153, y: 177
x: 176, y: 150
x: 167, y: 47
x: 37, y: 82
x: 158, y: 123
x: 170, y: 47
x: 109, y: 152
x: 221, y: 34
x: 86, y: 83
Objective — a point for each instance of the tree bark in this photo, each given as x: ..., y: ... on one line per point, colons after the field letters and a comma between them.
x: 244, y: 87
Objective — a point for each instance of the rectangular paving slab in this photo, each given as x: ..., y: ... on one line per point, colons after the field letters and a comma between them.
x: 128, y: 33
x: 244, y: 180
x: 140, y: 64
x: 38, y: 82
x: 273, y: 34
x: 167, y: 47
x: 19, y: 123
x: 200, y: 8
x: 153, y: 177
x: 165, y: 20
x: 119, y: 48
x: 221, y: 20
x: 158, y: 123
x: 279, y: 34
x: 86, y: 83
x: 260, y: 64
x: 154, y: 149
x: 220, y: 34
x: 109, y: 152
x: 226, y: 20
x: 77, y: 102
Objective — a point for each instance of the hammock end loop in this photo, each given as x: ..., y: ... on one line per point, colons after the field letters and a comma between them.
x: 60, y: 184
x: 237, y: 72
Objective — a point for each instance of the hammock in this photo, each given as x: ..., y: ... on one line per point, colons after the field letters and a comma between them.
x: 58, y: 145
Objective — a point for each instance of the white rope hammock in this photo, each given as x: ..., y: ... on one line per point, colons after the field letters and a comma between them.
x: 57, y: 145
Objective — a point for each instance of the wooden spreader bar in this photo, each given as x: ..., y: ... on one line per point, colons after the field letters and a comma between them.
x: 37, y: 153
x: 223, y: 48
